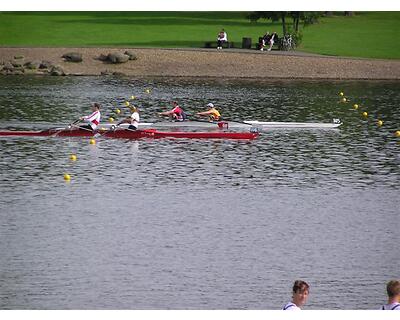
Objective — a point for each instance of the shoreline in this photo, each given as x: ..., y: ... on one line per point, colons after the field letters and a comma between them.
x: 229, y: 64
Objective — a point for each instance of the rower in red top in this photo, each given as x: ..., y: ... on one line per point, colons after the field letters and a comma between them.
x: 176, y: 113
x: 93, y: 120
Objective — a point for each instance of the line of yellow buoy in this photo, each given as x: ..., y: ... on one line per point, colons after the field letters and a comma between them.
x: 379, y: 122
x: 111, y: 119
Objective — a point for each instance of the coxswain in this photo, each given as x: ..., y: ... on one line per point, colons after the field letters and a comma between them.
x: 92, y: 120
x: 133, y: 119
x: 212, y: 113
x: 176, y: 113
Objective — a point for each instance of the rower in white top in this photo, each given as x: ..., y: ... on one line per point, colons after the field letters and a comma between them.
x: 93, y: 120
x: 133, y: 119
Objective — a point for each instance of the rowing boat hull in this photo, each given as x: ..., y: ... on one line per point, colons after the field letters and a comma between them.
x: 261, y: 125
x: 138, y: 134
x: 298, y: 125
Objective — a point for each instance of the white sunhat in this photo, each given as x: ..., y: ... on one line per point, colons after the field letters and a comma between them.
x: 210, y: 105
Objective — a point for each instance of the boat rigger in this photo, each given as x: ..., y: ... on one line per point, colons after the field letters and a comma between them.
x: 133, y: 134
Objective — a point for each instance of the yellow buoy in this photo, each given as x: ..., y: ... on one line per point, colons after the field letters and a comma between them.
x: 72, y: 157
x: 92, y: 141
x: 379, y: 123
x: 127, y: 103
x: 365, y: 114
x: 111, y: 119
x: 397, y: 133
x: 341, y: 94
x: 133, y: 97
x: 117, y: 111
x: 67, y: 177
x: 147, y: 90
x: 355, y: 106
x: 344, y: 100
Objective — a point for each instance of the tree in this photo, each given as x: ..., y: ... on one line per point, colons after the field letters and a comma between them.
x: 307, y: 17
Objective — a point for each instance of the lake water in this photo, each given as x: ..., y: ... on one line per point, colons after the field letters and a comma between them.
x: 199, y: 224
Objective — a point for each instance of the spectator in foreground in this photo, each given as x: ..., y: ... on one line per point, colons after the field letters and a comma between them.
x: 221, y: 38
x: 300, y: 294
x: 393, y: 292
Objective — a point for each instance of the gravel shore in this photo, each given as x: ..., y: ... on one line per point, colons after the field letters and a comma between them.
x: 227, y: 63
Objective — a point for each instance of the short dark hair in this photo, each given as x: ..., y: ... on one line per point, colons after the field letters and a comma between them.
x: 300, y: 286
x: 96, y: 105
x: 393, y: 288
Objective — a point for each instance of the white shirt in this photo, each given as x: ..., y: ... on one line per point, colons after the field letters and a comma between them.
x: 135, y: 119
x: 392, y: 306
x: 225, y: 38
x: 290, y: 306
x: 93, y: 119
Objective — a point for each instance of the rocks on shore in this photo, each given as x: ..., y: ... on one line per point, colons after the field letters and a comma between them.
x: 72, y: 57
x: 18, y: 67
x: 117, y: 57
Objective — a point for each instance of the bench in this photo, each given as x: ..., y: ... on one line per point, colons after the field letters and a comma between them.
x: 213, y: 44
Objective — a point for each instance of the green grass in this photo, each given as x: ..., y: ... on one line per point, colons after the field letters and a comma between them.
x: 372, y: 35
x: 139, y: 29
x: 367, y: 34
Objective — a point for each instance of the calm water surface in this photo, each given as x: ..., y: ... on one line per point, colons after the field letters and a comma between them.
x: 199, y: 224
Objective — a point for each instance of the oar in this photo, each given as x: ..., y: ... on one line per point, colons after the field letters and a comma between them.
x: 58, y: 130
x: 235, y: 121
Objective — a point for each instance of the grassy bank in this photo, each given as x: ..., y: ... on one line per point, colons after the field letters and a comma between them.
x: 372, y: 35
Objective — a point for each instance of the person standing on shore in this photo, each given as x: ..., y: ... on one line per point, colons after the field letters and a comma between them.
x: 93, y: 120
x: 393, y: 292
x: 301, y: 291
x: 133, y: 119
x: 212, y: 113
x: 176, y: 113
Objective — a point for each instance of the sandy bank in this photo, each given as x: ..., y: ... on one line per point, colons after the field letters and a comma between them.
x: 212, y: 63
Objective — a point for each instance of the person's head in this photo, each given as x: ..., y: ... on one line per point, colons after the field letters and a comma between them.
x: 210, y: 106
x: 393, y: 289
x: 301, y: 289
x: 133, y: 109
x: 174, y: 103
x: 96, y: 106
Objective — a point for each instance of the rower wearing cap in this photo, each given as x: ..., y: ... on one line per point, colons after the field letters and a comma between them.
x: 176, y: 113
x: 93, y: 120
x: 133, y: 119
x: 212, y: 113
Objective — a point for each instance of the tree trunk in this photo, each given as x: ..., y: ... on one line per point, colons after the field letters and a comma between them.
x: 349, y: 13
x: 283, y: 22
x: 296, y: 26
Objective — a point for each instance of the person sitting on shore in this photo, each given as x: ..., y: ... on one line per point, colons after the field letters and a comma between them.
x: 264, y: 40
x: 176, y: 113
x: 393, y: 292
x: 133, y: 119
x: 221, y: 38
x: 272, y: 40
x: 300, y: 294
x: 212, y: 113
x: 93, y: 119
